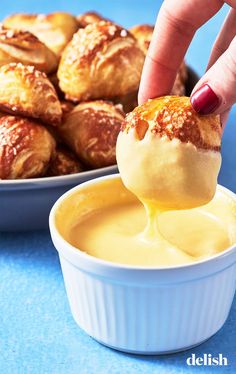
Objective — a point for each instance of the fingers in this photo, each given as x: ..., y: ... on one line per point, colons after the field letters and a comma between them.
x: 216, y: 90
x: 227, y: 33
x: 175, y: 27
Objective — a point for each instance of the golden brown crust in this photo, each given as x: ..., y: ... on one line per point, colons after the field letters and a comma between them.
x: 143, y: 34
x: 63, y: 163
x: 91, y: 130
x: 24, y: 47
x: 55, y: 29
x: 102, y: 61
x: 174, y: 118
x: 26, y: 148
x: 87, y: 18
x: 28, y: 92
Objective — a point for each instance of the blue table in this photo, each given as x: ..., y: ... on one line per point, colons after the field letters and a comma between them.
x: 37, y: 332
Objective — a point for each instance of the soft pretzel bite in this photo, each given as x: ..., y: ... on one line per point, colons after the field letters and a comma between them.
x: 91, y: 131
x: 28, y: 92
x: 24, y: 47
x: 55, y: 29
x: 87, y: 18
x: 102, y: 61
x: 169, y: 154
x: 143, y: 34
x: 26, y: 148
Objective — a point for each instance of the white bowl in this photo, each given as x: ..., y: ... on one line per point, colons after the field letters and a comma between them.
x: 26, y: 203
x: 145, y: 310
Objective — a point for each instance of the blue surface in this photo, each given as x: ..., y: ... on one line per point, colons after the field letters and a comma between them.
x: 37, y: 332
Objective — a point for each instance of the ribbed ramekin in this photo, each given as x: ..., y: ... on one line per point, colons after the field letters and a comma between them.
x: 145, y: 310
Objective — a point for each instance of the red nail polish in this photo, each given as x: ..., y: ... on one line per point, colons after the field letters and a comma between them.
x: 204, y: 100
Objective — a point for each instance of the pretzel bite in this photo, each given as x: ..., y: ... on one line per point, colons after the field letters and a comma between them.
x: 63, y: 163
x: 55, y: 29
x: 87, y: 18
x: 24, y: 47
x: 169, y: 154
x: 28, y: 92
x: 91, y: 131
x: 143, y: 34
x: 102, y: 61
x: 26, y: 148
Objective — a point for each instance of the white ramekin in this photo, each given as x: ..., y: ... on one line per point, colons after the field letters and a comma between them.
x: 145, y: 310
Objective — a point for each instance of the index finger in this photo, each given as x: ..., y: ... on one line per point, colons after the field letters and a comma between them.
x: 175, y: 27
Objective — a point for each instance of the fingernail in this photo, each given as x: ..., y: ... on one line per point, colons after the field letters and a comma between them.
x: 204, y: 100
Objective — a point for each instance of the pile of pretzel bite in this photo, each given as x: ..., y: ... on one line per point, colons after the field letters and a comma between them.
x: 67, y: 83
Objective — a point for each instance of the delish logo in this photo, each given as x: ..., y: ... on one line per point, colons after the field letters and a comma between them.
x: 207, y: 360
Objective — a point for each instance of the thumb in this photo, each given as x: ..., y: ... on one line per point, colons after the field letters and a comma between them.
x: 216, y: 90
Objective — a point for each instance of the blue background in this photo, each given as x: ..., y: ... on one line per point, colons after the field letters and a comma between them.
x: 37, y: 332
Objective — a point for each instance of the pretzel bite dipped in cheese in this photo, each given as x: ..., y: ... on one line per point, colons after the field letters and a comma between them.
x: 91, y: 131
x: 24, y: 47
x: 169, y: 155
x: 102, y: 61
x: 55, y: 29
x: 26, y: 148
x: 28, y: 92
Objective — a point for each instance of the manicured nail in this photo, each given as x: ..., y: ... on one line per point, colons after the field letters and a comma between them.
x: 204, y: 100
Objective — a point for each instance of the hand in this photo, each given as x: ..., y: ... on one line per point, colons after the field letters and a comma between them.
x: 175, y: 27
